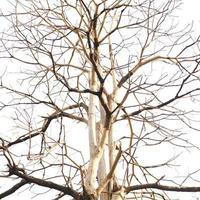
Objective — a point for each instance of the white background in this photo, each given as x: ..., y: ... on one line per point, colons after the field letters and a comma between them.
x: 190, y: 13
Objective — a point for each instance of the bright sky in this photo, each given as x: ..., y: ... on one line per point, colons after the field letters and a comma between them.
x: 191, y: 11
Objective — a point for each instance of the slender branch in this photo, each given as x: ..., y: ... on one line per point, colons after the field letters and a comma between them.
x: 66, y: 190
x: 162, y: 187
x: 13, y: 189
x: 139, y: 65
x: 160, y: 105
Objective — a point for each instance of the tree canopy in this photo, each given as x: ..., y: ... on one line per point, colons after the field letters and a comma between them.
x: 100, y: 100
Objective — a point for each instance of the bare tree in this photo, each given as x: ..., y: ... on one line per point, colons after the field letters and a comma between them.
x: 104, y: 102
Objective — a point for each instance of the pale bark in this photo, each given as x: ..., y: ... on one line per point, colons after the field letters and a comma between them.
x: 93, y: 164
x: 102, y: 169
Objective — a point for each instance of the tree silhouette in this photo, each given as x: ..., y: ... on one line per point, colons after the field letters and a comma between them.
x: 104, y: 104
